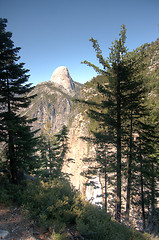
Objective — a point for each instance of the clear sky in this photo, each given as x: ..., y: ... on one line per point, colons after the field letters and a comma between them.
x: 53, y: 33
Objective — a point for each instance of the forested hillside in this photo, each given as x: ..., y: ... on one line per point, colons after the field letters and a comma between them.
x: 51, y: 103
x: 123, y: 108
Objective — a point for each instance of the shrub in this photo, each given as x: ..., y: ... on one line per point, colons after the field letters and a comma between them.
x: 58, y: 236
x: 93, y: 223
x: 55, y: 205
x: 49, y: 203
x: 9, y: 193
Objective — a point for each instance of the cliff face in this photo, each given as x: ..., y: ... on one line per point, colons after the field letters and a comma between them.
x: 54, y: 101
x: 79, y: 149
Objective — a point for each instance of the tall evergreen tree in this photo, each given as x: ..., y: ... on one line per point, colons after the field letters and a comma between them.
x: 118, y: 78
x: 61, y: 149
x: 53, y: 149
x: 146, y: 168
x: 134, y: 108
x: 116, y: 72
x: 15, y: 130
x: 124, y: 102
x: 47, y: 145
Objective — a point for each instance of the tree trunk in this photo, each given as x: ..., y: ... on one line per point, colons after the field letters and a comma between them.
x: 105, y: 177
x: 142, y: 189
x: 12, y: 159
x: 118, y: 215
x: 129, y: 174
x: 152, y: 196
x: 13, y: 167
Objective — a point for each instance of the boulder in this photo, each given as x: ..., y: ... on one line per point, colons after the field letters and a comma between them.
x: 3, y: 234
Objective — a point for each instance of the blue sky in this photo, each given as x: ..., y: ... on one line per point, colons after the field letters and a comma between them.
x: 53, y: 33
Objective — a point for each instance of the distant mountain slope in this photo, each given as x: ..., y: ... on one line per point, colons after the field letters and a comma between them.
x: 153, y: 77
x: 53, y: 102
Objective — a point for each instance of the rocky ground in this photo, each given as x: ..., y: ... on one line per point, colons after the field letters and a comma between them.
x: 14, y: 226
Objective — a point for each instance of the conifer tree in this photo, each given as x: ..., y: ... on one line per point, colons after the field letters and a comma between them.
x: 116, y: 72
x: 134, y: 108
x: 146, y: 171
x: 124, y: 102
x: 53, y: 150
x: 47, y: 154
x: 15, y: 130
x: 61, y: 149
x: 137, y: 114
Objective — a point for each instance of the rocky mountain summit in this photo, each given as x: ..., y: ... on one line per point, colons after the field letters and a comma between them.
x: 54, y: 100
x: 61, y: 77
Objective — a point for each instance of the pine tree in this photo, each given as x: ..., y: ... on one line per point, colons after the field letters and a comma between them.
x: 134, y: 108
x: 147, y: 170
x: 53, y: 149
x: 15, y: 130
x: 47, y: 145
x: 137, y: 113
x: 117, y: 74
x: 124, y: 92
x: 61, y: 149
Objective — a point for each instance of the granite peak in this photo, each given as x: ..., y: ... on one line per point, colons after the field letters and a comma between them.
x: 62, y: 77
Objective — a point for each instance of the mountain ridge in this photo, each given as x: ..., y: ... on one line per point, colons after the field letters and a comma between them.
x: 52, y: 102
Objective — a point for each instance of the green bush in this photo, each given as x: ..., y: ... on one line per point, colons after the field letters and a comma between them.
x: 9, y: 193
x: 55, y: 205
x: 58, y: 236
x: 49, y: 203
x: 93, y: 223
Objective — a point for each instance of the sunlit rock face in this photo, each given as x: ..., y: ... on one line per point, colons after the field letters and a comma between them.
x: 78, y: 150
x: 62, y: 77
x: 94, y: 194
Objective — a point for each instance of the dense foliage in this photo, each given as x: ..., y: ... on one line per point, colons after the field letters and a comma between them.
x: 16, y: 137
x: 52, y: 151
x: 54, y: 205
x: 125, y: 126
